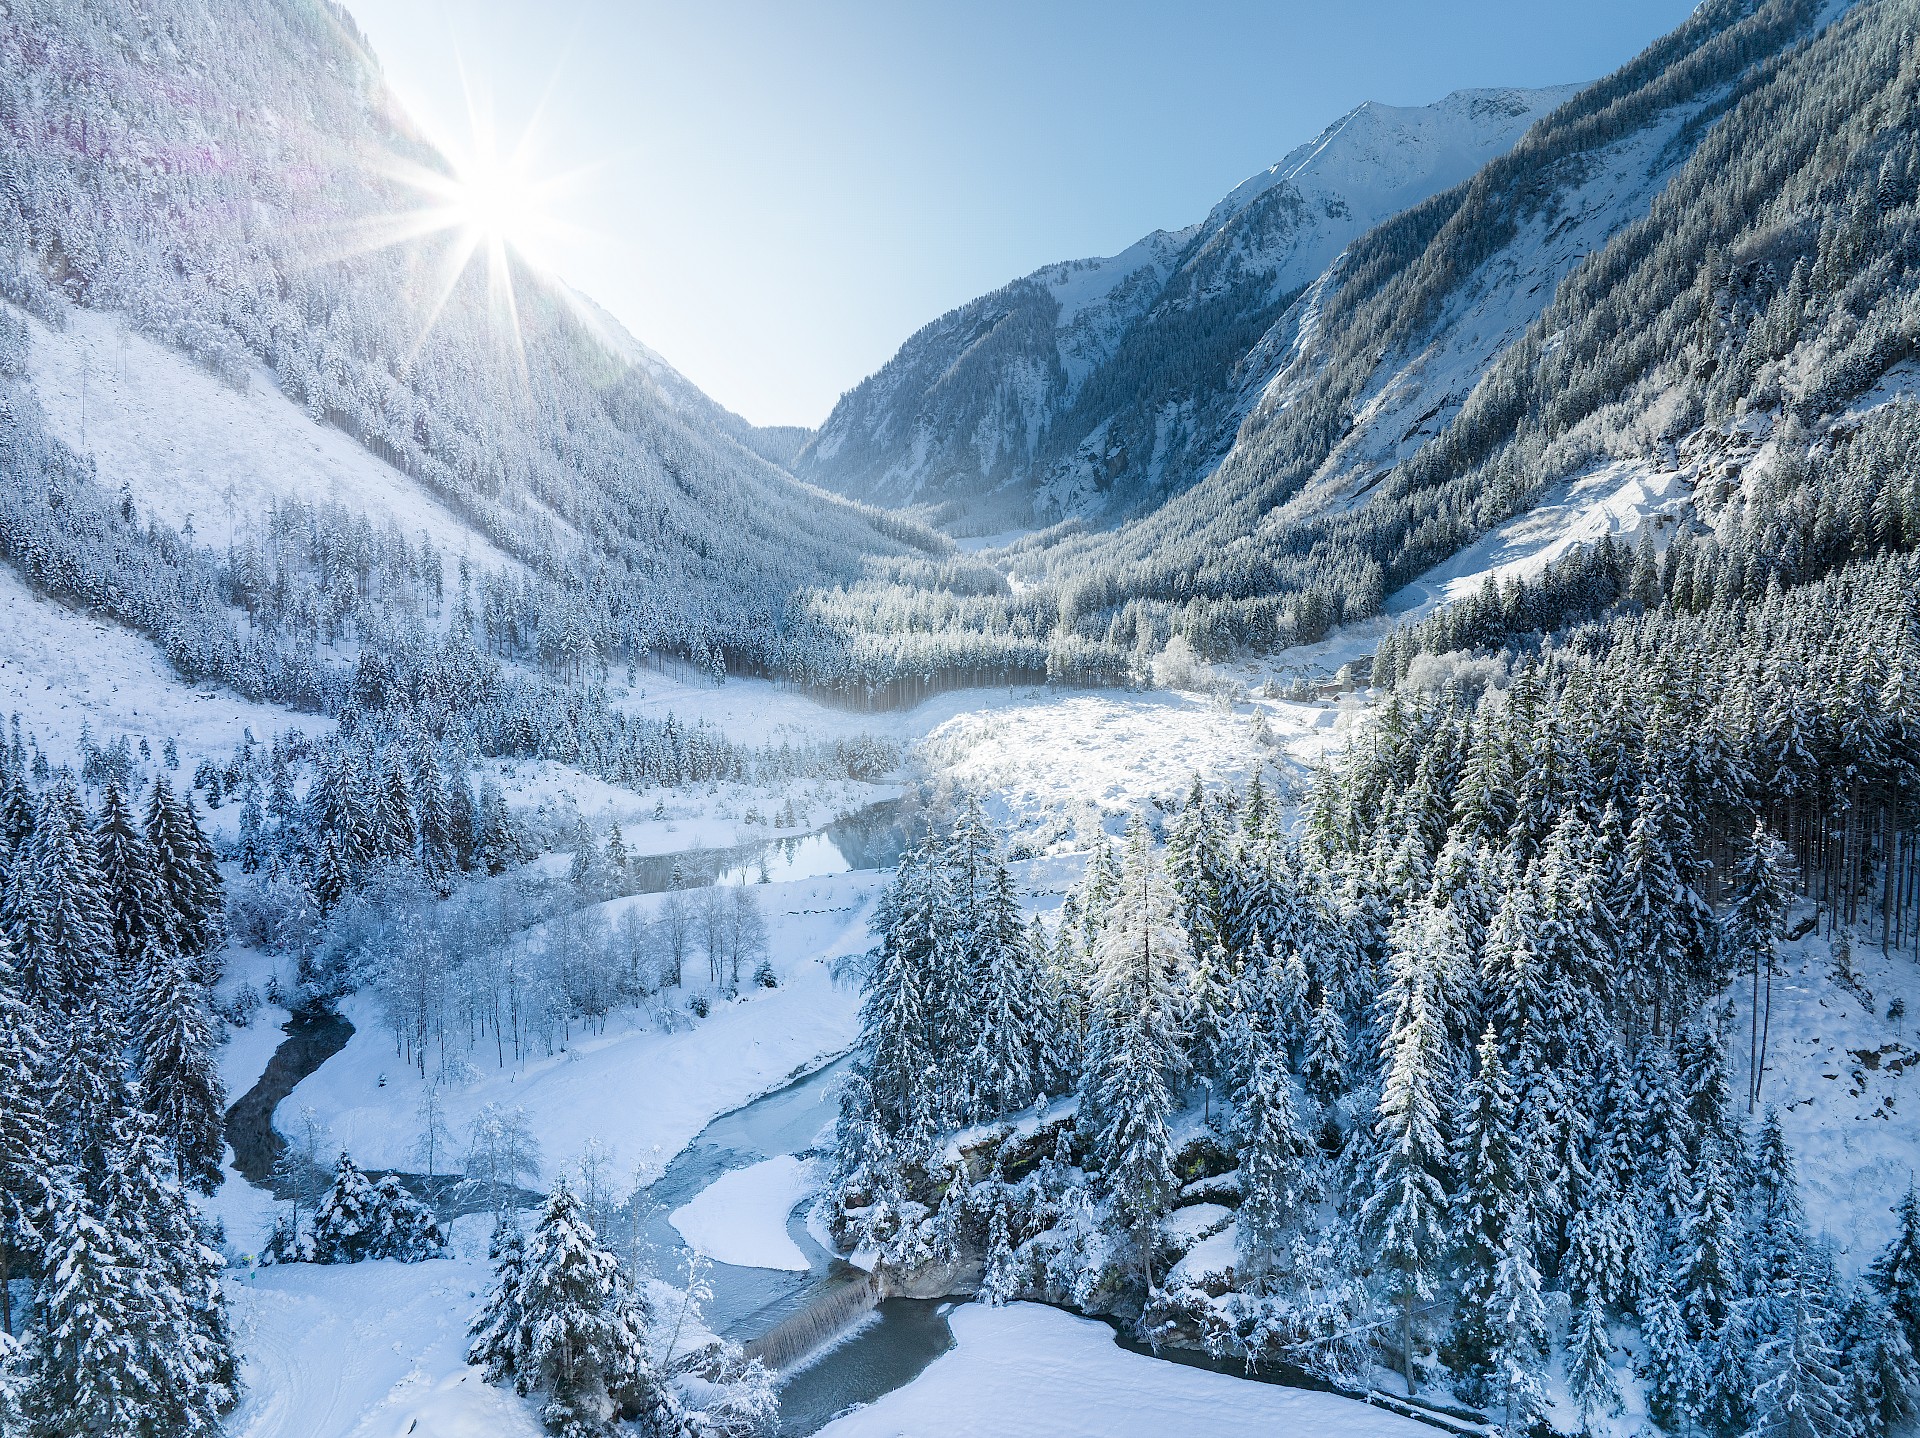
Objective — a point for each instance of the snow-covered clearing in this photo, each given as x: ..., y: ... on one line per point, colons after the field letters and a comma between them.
x: 741, y: 1217
x: 1615, y: 500
x: 60, y: 669
x: 1026, y: 1369
x: 1839, y: 1073
x: 369, y: 1349
x: 190, y: 446
x: 640, y: 1088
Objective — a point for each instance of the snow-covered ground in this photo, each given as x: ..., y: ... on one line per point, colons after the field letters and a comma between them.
x: 1027, y: 1369
x: 190, y: 446
x: 60, y: 669
x: 643, y: 1089
x: 369, y: 1349
x: 741, y: 1217
x: 1846, y: 1081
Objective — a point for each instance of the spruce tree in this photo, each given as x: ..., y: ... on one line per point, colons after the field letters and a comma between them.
x: 1877, y: 1365
x: 1896, y: 1272
x: 1273, y: 1155
x: 180, y: 1082
x: 1407, y: 1208
x: 1135, y: 1045
x: 126, y: 872
x: 1325, y: 1067
x: 25, y: 1141
x: 1488, y: 1197
x: 1007, y: 999
x: 345, y: 1218
x: 565, y: 1323
x: 1594, y: 1386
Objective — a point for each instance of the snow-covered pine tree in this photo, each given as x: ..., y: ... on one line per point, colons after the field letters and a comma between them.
x: 126, y: 873
x: 1876, y: 1363
x: 25, y: 1146
x: 1518, y: 1384
x: 185, y: 871
x: 1273, y: 1156
x: 1896, y: 1271
x: 1748, y: 934
x: 1591, y: 1381
x: 344, y: 1219
x: 1325, y: 1066
x: 495, y: 1329
x: 1489, y: 1194
x: 1800, y: 1393
x: 899, y: 1050
x: 1407, y: 1208
x: 579, y: 1338
x: 60, y: 920
x: 403, y: 1228
x: 1006, y: 999
x: 1669, y: 1365
x: 180, y: 1082
x: 1135, y: 1041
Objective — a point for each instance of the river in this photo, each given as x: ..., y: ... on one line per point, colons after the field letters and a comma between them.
x: 892, y: 1343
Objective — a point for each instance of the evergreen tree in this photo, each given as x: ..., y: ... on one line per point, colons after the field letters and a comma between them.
x: 126, y: 874
x: 1273, y: 1154
x: 1325, y: 1068
x: 1878, y: 1367
x: 1591, y: 1381
x: 402, y: 1227
x: 25, y: 1143
x: 1896, y: 1272
x: 1135, y: 1042
x: 345, y: 1219
x: 1486, y: 1203
x: 1408, y: 1205
x: 1801, y: 1393
x: 1520, y: 1330
x: 1007, y: 999
x: 900, y: 1053
x: 185, y: 872
x: 180, y: 1082
x: 564, y: 1322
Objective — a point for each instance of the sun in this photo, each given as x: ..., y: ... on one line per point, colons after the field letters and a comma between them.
x: 496, y: 202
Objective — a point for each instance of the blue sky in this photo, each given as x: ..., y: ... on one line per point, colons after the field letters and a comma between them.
x: 775, y: 195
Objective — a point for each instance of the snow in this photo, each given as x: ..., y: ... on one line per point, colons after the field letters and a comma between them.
x: 60, y: 668
x: 1213, y: 1257
x: 642, y: 1090
x: 1852, y: 1122
x: 741, y: 1217
x: 368, y: 1349
x: 1613, y: 500
x: 1027, y: 1369
x: 192, y: 447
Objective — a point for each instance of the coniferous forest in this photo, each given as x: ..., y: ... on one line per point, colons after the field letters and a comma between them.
x: 607, y: 933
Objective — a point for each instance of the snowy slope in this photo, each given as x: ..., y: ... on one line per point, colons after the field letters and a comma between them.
x: 1053, y: 389
x: 192, y: 447
x: 60, y: 669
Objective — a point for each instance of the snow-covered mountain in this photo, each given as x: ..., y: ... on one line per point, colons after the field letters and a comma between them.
x: 1096, y: 386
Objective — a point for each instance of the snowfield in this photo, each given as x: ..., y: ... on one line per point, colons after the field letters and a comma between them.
x: 741, y: 1217
x: 191, y: 447
x: 60, y: 668
x: 369, y: 1349
x: 1029, y: 1370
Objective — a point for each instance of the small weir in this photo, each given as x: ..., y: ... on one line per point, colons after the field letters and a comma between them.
x: 830, y: 1314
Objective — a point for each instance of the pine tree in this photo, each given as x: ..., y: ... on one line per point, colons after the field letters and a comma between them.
x: 1896, y: 1272
x: 186, y: 874
x: 1520, y: 1330
x: 565, y: 1322
x: 1325, y: 1068
x: 1591, y: 1381
x: 900, y: 1052
x: 62, y: 927
x: 344, y: 1220
x: 180, y: 1082
x: 495, y: 1330
x: 1485, y: 1204
x: 402, y: 1227
x: 1669, y: 1368
x: 1134, y: 1046
x: 1273, y: 1154
x: 24, y: 1133
x: 1881, y: 1375
x: 1749, y: 933
x: 1407, y: 1207
x: 1801, y: 1393
x: 126, y: 872
x: 1005, y: 992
